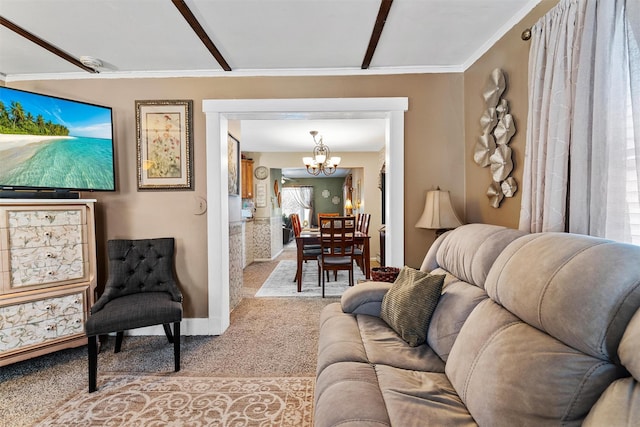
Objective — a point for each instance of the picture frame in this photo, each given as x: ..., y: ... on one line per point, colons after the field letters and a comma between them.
x: 233, y: 152
x: 261, y: 195
x: 164, y: 139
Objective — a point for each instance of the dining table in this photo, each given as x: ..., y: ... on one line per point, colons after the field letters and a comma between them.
x: 312, y: 237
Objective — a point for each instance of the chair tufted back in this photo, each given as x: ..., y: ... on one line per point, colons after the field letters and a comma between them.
x: 137, y: 266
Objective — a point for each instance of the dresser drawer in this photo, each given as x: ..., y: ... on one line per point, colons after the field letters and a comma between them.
x: 33, y: 237
x: 48, y: 264
x: 44, y: 247
x: 39, y: 321
x: 45, y: 217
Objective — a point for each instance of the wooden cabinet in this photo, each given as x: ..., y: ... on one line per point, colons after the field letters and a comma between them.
x: 247, y: 179
x: 47, y: 276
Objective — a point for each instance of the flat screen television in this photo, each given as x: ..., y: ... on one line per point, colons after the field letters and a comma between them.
x: 50, y: 143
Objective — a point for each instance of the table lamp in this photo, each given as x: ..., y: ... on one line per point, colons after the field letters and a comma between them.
x: 438, y: 212
x: 348, y: 206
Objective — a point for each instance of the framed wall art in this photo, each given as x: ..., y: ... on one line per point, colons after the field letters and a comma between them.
x: 164, y: 145
x: 261, y: 195
x: 233, y: 151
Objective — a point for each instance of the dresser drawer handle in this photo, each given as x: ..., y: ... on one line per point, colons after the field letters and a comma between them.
x: 50, y: 255
x: 77, y: 321
x: 48, y: 308
x: 47, y: 234
x: 50, y: 273
x: 51, y: 327
x: 47, y: 216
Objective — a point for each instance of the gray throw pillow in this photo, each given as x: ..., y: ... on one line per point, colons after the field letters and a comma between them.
x: 407, y: 307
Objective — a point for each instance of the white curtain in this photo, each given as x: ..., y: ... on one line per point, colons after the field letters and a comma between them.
x: 298, y: 200
x: 581, y: 148
x: 552, y: 63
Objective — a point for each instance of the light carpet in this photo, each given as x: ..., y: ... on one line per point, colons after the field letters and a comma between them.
x: 161, y: 400
x: 280, y: 282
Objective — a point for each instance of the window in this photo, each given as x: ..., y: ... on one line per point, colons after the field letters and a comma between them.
x: 298, y: 200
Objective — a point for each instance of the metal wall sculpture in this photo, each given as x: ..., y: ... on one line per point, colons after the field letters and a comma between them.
x: 492, y: 148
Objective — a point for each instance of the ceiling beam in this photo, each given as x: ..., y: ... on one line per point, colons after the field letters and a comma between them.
x: 197, y: 28
x: 383, y: 12
x: 51, y: 48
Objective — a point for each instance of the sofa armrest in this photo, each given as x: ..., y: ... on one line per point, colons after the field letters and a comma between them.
x: 364, y: 298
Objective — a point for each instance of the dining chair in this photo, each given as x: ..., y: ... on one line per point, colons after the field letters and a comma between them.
x: 363, y: 227
x: 337, y: 246
x: 364, y: 223
x: 309, y: 252
x: 321, y: 214
x: 141, y: 290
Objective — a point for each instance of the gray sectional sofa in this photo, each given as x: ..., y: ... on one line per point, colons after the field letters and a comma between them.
x: 530, y: 330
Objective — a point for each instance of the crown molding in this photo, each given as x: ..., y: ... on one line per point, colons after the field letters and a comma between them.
x: 237, y: 73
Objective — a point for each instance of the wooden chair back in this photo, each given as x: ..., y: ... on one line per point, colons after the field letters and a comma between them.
x: 295, y: 224
x: 321, y: 214
x: 364, y: 223
x: 337, y: 236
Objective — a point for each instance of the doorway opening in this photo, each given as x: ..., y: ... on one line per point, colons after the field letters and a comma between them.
x: 218, y: 112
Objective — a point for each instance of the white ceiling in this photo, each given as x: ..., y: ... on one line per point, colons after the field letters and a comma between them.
x: 340, y: 135
x: 293, y: 135
x: 148, y: 38
x: 257, y: 37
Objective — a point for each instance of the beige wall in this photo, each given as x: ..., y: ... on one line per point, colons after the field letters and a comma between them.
x: 441, y: 127
x: 434, y: 135
x: 511, y: 54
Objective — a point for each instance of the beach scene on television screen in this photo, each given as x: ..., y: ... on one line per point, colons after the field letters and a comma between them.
x: 48, y: 142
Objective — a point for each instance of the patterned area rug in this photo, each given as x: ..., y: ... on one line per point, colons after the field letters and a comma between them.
x: 280, y: 282
x: 158, y: 400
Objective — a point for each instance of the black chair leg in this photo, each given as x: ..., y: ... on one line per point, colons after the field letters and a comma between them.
x: 167, y: 332
x: 93, y: 362
x: 176, y: 345
x: 119, y: 337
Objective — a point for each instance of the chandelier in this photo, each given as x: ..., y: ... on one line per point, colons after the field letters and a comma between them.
x: 321, y: 160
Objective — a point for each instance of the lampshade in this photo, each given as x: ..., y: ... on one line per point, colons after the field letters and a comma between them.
x: 348, y: 204
x: 438, y: 213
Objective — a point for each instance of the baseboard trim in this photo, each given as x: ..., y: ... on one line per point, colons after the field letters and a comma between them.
x: 197, y: 326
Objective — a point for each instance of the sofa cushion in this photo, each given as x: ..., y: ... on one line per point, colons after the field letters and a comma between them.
x: 348, y: 394
x: 510, y: 373
x: 407, y: 307
x: 419, y: 398
x: 343, y: 343
x: 384, y: 347
x: 581, y: 290
x: 629, y: 350
x: 618, y: 405
x: 365, y: 298
x: 465, y: 255
x: 457, y: 301
x: 368, y: 339
x: 468, y: 252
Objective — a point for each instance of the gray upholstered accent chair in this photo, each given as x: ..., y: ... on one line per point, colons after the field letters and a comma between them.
x: 141, y: 290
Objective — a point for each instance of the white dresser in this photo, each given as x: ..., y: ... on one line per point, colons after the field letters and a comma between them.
x: 47, y: 275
